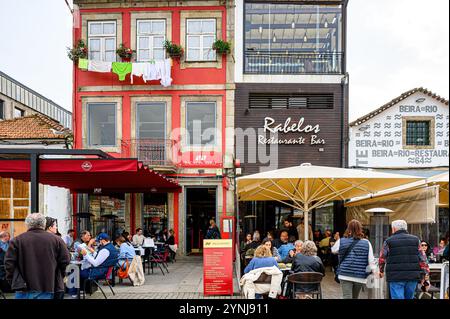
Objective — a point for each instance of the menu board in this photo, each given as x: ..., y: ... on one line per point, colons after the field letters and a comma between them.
x: 217, y: 267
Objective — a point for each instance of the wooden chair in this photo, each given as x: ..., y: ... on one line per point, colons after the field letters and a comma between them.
x: 306, y: 280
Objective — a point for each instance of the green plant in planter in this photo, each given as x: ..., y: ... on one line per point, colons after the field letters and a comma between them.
x: 222, y: 47
x: 79, y: 51
x: 124, y: 52
x: 173, y: 50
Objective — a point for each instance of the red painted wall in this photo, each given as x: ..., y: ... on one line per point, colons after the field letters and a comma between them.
x: 188, y: 76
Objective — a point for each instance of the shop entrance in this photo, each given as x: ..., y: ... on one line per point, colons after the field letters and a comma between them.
x: 201, y: 207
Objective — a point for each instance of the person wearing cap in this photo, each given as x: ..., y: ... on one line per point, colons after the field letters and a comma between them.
x: 106, y: 256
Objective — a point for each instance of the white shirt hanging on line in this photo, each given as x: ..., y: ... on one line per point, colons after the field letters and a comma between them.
x: 99, y: 66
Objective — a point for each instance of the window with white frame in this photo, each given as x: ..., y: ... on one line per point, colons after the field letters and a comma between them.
x: 201, y: 123
x: 102, y: 40
x: 151, y: 35
x: 201, y: 34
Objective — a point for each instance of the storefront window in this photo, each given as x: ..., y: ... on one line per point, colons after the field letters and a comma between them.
x: 324, y: 217
x: 155, y: 213
x: 109, y: 214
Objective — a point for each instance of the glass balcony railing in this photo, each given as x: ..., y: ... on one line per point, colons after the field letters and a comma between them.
x: 293, y: 63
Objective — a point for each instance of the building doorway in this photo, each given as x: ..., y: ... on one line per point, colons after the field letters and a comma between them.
x: 201, y: 207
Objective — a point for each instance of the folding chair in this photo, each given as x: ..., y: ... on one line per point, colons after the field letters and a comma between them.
x: 96, y: 279
x: 307, y: 280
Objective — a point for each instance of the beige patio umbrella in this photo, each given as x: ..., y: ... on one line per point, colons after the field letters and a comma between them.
x: 442, y: 181
x: 307, y: 187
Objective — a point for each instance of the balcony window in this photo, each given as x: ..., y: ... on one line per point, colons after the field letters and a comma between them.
x: 151, y: 121
x: 201, y: 34
x: 151, y: 35
x: 293, y: 38
x: 102, y: 41
x: 201, y: 123
x: 101, y: 124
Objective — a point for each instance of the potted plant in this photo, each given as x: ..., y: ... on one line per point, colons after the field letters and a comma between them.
x: 79, y: 51
x: 222, y: 47
x: 125, y: 53
x: 173, y: 50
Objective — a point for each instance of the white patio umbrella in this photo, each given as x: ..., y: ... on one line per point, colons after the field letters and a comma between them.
x: 307, y: 187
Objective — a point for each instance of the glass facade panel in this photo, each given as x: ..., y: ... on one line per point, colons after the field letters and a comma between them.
x: 151, y: 121
x: 293, y: 38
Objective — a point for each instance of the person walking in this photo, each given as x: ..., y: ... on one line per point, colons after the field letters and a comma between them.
x: 356, y: 260
x: 35, y: 259
x: 403, y: 261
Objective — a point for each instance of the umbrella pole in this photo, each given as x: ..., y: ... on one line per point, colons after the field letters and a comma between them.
x: 306, y: 211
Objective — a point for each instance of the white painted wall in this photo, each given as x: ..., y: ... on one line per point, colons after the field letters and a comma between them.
x: 57, y: 204
x: 377, y: 143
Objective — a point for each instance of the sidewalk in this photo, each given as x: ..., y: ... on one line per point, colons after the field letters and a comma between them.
x: 185, y: 281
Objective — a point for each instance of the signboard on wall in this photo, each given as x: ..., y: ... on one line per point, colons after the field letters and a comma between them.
x: 381, y: 140
x: 218, y: 267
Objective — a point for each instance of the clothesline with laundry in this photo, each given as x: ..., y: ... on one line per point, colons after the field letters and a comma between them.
x: 149, y: 71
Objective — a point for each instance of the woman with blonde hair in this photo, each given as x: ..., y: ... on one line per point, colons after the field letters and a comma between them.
x: 263, y: 258
x: 213, y: 231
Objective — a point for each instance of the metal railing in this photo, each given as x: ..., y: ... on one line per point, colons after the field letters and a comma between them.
x: 293, y: 63
x: 152, y: 152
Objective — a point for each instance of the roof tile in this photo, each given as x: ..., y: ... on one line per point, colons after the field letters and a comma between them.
x: 36, y: 126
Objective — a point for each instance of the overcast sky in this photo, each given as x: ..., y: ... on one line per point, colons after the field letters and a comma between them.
x: 393, y: 46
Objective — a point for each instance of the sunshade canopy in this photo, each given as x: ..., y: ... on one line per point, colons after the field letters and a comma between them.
x: 92, y: 175
x: 307, y: 187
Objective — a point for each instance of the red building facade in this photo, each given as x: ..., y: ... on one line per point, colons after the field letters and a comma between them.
x: 182, y: 130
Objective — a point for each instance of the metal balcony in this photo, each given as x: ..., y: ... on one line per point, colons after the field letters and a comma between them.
x: 155, y: 153
x: 293, y: 63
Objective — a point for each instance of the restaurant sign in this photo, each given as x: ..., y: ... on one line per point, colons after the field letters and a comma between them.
x: 308, y: 134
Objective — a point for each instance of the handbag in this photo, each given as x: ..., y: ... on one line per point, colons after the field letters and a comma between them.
x: 349, y: 249
x: 123, y: 273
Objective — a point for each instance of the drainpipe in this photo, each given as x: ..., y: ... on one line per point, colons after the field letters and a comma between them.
x: 344, y: 100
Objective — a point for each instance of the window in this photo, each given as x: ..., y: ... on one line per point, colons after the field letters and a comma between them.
x: 151, y: 35
x: 418, y: 133
x: 102, y: 41
x: 151, y: 120
x: 18, y: 112
x: 201, y: 34
x: 201, y: 123
x: 2, y: 110
x: 101, y: 124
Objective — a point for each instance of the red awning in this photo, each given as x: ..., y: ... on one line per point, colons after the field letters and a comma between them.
x: 92, y: 175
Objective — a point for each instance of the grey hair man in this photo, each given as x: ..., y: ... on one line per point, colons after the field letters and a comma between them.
x: 36, y: 261
x: 404, y: 262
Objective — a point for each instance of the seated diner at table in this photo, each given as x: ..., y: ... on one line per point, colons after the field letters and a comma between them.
x: 293, y: 252
x: 126, y: 252
x: 105, y: 257
x: 268, y: 243
x: 263, y: 258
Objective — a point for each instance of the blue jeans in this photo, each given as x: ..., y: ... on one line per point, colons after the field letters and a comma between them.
x: 34, y: 295
x: 402, y: 289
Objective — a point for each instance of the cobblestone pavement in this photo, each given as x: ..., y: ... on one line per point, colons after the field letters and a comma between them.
x: 185, y: 281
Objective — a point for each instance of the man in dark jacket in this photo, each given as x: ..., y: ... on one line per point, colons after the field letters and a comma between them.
x: 405, y: 261
x: 35, y: 259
